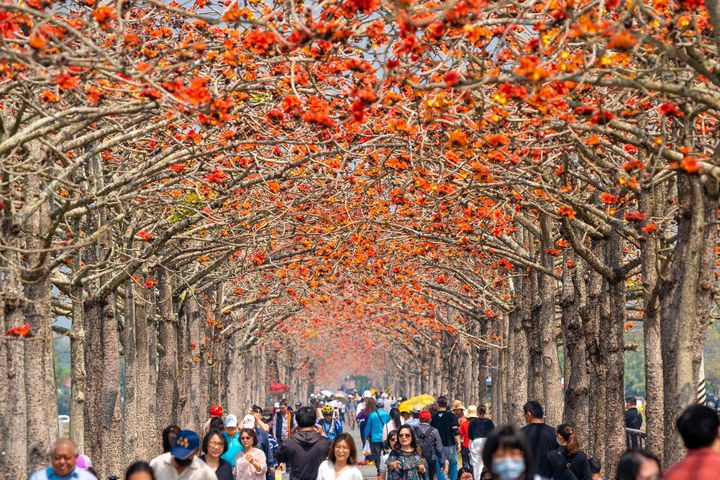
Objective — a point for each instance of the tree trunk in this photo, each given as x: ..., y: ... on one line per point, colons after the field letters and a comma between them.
x: 167, y: 394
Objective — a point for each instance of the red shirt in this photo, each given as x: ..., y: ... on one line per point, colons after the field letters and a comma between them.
x: 699, y: 464
x: 463, y: 430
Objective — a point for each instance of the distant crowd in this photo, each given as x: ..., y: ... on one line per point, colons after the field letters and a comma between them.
x: 440, y: 441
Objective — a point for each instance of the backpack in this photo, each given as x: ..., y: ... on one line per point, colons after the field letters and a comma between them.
x: 424, y: 441
x: 568, y: 473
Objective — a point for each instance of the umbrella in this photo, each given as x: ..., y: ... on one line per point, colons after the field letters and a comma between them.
x: 421, y: 401
x: 340, y: 394
x: 326, y: 393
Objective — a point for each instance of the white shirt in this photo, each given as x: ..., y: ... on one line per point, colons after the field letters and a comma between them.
x: 360, y: 407
x: 327, y: 472
x: 165, y: 470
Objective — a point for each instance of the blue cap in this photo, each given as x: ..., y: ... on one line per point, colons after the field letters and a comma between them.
x: 186, y: 442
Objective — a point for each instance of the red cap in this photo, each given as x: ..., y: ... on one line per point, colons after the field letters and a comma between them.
x: 425, y: 416
x: 216, y: 411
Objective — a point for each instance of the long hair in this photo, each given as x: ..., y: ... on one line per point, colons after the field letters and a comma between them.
x: 370, y: 406
x: 348, y: 439
x: 567, y: 432
x: 413, y: 440
x: 395, y: 415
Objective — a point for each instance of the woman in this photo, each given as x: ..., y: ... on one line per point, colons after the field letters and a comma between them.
x: 252, y: 464
x: 507, y: 455
x: 340, y: 464
x: 393, y: 424
x: 405, y: 461
x: 376, y: 420
x: 568, y: 461
x: 214, y: 445
x: 390, y: 444
x: 637, y: 464
x: 139, y: 471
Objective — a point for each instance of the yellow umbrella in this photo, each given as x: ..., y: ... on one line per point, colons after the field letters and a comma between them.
x: 421, y: 401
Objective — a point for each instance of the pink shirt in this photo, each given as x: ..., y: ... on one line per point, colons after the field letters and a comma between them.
x: 245, y: 471
x: 699, y: 464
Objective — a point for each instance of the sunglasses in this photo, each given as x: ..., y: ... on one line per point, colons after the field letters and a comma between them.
x: 245, y: 438
x: 405, y: 435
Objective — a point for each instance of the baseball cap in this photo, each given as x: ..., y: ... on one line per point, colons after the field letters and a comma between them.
x: 216, y: 411
x: 298, y: 405
x: 257, y: 408
x: 231, y: 421
x: 367, y: 394
x: 417, y: 409
x: 380, y: 403
x: 185, y: 444
x: 425, y: 416
x: 404, y: 408
x: 248, y: 421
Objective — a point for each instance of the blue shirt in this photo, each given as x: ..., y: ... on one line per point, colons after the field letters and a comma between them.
x: 49, y: 474
x: 375, y: 423
x: 332, y: 429
x: 234, y: 448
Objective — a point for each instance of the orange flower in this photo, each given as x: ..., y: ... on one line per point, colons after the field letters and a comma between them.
x: 566, y: 211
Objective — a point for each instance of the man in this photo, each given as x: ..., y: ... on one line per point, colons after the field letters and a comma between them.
x: 634, y: 420
x: 430, y: 444
x: 459, y: 411
x: 263, y: 441
x: 448, y: 427
x: 306, y: 449
x: 405, y: 414
x: 542, y: 438
x: 284, y: 423
x: 331, y: 427
x: 232, y: 437
x: 182, y: 460
x: 478, y: 428
x: 698, y: 426
x: 257, y: 412
x: 63, y: 463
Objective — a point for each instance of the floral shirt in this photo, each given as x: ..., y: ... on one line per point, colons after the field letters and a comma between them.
x: 409, y: 463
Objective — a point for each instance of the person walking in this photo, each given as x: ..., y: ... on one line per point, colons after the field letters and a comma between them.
x: 63, y: 463
x: 330, y: 426
x: 430, y: 444
x: 214, y: 445
x: 542, y: 437
x: 459, y: 410
x: 393, y: 424
x: 447, y: 425
x: 254, y: 421
x: 390, y: 443
x: 182, y: 460
x: 478, y: 428
x: 699, y: 428
x: 139, y: 471
x: 567, y: 462
x: 284, y: 422
x: 404, y: 462
x: 351, y: 412
x: 376, y: 420
x: 252, y: 463
x: 340, y: 464
x: 633, y: 420
x: 232, y: 437
x: 304, y: 450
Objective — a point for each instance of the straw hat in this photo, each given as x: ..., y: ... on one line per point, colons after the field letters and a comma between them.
x: 458, y: 405
x: 471, y: 412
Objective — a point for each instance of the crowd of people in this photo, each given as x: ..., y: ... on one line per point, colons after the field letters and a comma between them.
x: 441, y: 441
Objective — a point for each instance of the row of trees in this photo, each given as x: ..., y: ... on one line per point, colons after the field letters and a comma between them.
x: 220, y: 195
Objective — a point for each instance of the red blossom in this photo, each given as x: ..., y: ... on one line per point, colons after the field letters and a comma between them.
x: 19, y: 331
x: 145, y: 235
x: 635, y: 216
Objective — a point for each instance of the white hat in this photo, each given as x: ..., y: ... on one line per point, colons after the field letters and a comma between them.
x: 277, y: 404
x: 248, y: 421
x: 231, y: 421
x: 367, y: 394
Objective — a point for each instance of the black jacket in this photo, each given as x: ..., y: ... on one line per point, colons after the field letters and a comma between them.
x: 304, y: 451
x: 633, y: 419
x: 561, y: 466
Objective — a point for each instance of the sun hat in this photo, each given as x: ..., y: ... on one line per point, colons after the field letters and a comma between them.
x: 185, y: 444
x: 417, y: 408
x: 231, y: 421
x: 458, y: 405
x: 471, y: 411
